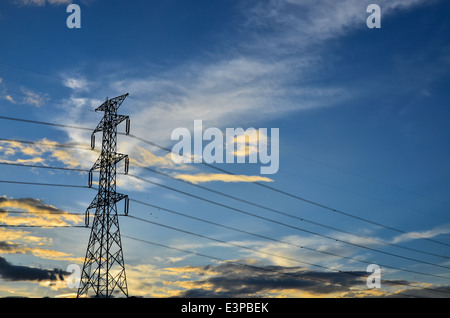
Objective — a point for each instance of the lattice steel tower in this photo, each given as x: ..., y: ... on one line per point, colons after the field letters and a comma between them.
x: 104, y: 268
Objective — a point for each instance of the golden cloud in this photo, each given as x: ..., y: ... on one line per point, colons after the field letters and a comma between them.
x: 145, y: 158
x: 69, y: 157
x: 246, y: 143
x: 16, y: 248
x: 40, y: 214
x: 55, y: 255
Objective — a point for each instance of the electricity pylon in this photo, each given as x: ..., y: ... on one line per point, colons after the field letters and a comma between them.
x: 104, y: 268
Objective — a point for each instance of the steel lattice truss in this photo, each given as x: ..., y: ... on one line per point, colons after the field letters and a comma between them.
x: 104, y: 268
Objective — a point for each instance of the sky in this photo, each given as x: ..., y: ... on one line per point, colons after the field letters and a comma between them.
x: 362, y: 115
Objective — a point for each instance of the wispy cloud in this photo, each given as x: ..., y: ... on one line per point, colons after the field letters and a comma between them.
x: 251, y: 81
x: 76, y: 83
x: 42, y: 2
x: 10, y: 99
x: 45, y: 151
x: 248, y: 84
x: 427, y: 234
x: 32, y: 98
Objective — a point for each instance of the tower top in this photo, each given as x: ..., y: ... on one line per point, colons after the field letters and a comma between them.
x: 113, y: 102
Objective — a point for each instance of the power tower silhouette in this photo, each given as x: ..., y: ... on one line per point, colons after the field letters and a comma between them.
x: 104, y: 268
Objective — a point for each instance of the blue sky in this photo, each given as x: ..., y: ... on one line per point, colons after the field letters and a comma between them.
x: 363, y: 119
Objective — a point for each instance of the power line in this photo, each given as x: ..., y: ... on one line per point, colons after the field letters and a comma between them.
x: 46, y: 213
x: 47, y: 144
x: 242, y: 200
x: 44, y: 123
x: 300, y: 229
x: 54, y: 125
x: 222, y: 170
x: 288, y: 225
x: 294, y: 196
x: 40, y: 212
x: 221, y: 241
x: 257, y: 183
x: 265, y: 237
x: 267, y: 269
x: 42, y: 167
x: 238, y: 199
x: 251, y: 214
x: 44, y: 226
x: 262, y: 252
x: 282, y: 149
x: 30, y: 70
x: 46, y: 184
x: 285, y: 213
x: 364, y: 177
x: 361, y: 194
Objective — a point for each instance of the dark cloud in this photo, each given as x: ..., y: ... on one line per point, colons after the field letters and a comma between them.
x: 232, y: 280
x: 10, y: 272
x: 236, y: 280
x: 428, y: 292
x: 36, y: 203
x: 7, y: 247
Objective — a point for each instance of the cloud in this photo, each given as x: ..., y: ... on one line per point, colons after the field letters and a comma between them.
x: 10, y: 272
x: 218, y: 92
x: 209, y: 177
x: 15, y: 234
x: 288, y: 251
x: 246, y: 142
x: 34, y: 99
x: 40, y: 213
x: 439, y: 230
x: 241, y: 278
x: 44, y: 151
x: 76, y: 83
x: 425, y: 292
x: 8, y: 247
x: 142, y: 157
x: 245, y: 278
x: 80, y: 156
x: 247, y: 83
x: 231, y: 280
x: 55, y: 255
x: 297, y: 24
x: 18, y: 248
x: 41, y: 3
x: 250, y: 80
x: 148, y: 281
x: 10, y: 99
